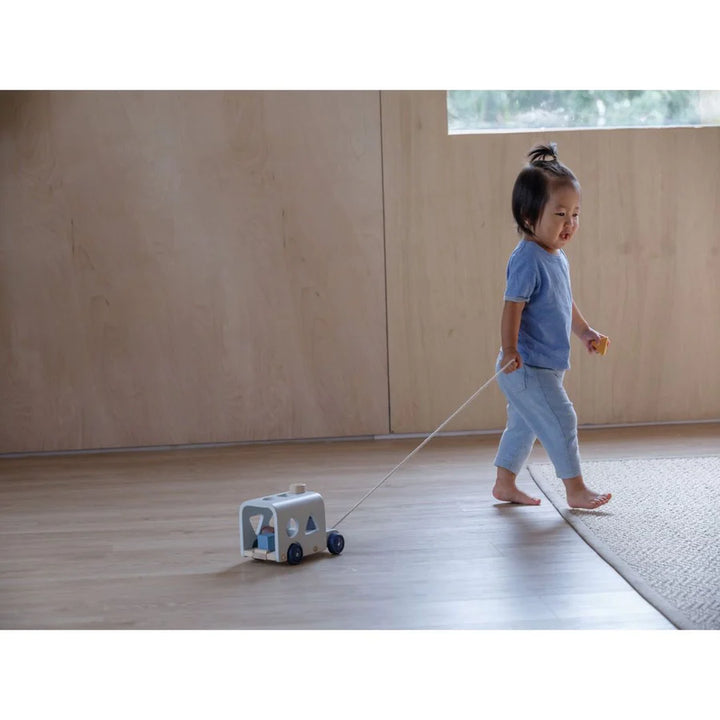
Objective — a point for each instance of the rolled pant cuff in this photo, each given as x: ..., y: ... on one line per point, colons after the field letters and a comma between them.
x: 513, y: 467
x: 571, y: 473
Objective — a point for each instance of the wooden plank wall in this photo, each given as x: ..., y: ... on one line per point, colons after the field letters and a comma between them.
x: 211, y: 267
x: 182, y: 267
x: 644, y: 265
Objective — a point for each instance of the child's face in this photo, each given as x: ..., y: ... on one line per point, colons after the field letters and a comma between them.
x: 560, y: 218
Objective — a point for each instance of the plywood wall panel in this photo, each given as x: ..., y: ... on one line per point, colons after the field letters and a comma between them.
x: 190, y: 267
x: 209, y: 267
x: 644, y: 267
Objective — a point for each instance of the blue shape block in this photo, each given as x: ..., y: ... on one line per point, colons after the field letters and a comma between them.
x: 266, y: 542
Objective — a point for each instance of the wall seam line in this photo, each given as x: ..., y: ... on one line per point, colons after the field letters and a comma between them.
x: 385, y: 263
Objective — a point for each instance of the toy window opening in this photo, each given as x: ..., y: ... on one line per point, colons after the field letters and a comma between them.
x: 260, y: 521
x: 311, y: 526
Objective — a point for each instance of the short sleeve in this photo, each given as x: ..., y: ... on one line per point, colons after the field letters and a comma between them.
x: 522, y: 278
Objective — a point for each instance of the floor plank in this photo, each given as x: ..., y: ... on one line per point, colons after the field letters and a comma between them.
x: 150, y: 540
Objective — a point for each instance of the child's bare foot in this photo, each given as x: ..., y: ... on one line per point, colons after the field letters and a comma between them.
x: 514, y: 495
x: 506, y: 490
x: 580, y: 496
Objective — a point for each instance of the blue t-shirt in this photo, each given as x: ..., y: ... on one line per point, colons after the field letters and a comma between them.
x: 541, y: 280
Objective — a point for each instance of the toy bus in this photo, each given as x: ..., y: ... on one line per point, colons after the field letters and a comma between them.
x: 286, y: 527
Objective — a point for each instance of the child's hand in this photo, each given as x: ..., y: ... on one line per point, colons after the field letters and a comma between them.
x: 510, y: 354
x: 590, y: 337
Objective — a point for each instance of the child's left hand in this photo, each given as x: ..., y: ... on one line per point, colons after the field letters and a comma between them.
x: 590, y: 337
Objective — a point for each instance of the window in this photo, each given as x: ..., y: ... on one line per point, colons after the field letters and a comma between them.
x: 481, y: 111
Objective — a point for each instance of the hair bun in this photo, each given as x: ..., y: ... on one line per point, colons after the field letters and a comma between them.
x: 542, y: 154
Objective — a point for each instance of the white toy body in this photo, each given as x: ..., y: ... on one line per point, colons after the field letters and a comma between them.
x: 286, y: 526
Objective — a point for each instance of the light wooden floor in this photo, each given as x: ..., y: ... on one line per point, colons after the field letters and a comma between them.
x: 150, y: 540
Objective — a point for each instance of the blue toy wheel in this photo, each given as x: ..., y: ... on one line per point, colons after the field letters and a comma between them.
x: 294, y: 554
x: 335, y: 543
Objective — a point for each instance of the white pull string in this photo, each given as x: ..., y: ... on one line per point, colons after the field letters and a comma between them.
x: 425, y: 441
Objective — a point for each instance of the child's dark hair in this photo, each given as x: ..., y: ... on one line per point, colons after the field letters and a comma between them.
x: 532, y: 186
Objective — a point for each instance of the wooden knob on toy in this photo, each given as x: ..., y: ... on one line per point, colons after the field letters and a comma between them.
x: 297, y: 488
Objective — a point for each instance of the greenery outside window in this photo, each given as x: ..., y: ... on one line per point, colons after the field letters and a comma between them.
x: 484, y: 111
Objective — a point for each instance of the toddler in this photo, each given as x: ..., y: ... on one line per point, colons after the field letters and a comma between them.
x: 538, y: 316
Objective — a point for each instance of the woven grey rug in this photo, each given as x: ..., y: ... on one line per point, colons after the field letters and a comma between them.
x: 660, y: 530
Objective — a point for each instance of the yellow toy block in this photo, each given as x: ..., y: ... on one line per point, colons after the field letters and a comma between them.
x: 601, y: 345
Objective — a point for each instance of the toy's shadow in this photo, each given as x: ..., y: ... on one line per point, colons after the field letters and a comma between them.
x: 252, y: 570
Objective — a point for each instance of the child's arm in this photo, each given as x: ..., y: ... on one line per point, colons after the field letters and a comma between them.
x: 509, y: 329
x: 591, y: 338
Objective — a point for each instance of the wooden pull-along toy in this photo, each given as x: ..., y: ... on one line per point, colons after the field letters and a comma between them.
x: 287, y: 526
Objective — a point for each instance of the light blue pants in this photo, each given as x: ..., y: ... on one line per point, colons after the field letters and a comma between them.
x: 538, y: 407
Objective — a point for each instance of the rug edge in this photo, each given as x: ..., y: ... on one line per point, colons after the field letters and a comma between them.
x: 634, y: 579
